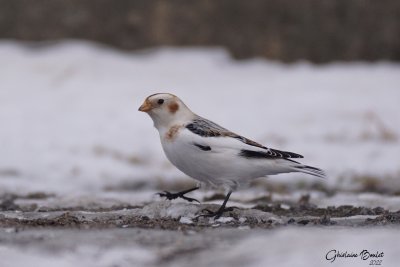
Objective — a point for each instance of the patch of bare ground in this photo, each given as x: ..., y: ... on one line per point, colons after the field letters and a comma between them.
x: 170, y: 215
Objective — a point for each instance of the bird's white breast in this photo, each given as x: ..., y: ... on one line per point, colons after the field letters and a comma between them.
x: 186, y: 157
x: 218, y: 166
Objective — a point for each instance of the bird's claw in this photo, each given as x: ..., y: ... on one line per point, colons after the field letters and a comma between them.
x: 190, y: 199
x: 167, y: 195
x: 216, y: 214
x: 170, y: 196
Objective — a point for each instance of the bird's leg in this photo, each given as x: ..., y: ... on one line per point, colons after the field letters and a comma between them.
x: 181, y: 194
x: 220, y: 211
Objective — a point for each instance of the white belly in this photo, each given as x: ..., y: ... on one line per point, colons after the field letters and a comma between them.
x: 220, y: 167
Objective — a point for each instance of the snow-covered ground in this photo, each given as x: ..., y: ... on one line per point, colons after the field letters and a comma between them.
x: 69, y: 128
x: 226, y: 247
x: 69, y: 120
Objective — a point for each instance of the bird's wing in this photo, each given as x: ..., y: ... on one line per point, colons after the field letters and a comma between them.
x: 208, y: 133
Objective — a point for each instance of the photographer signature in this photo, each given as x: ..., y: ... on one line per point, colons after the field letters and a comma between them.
x: 374, y: 257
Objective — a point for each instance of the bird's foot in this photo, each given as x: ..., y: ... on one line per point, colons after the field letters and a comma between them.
x: 170, y: 196
x: 216, y: 214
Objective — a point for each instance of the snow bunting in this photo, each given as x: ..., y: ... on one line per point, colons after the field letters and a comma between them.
x: 212, y: 154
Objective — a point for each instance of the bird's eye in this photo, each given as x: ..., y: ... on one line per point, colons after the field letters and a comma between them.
x: 160, y: 101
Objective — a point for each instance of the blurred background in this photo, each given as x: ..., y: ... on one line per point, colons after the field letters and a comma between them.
x: 320, y: 78
x: 313, y: 30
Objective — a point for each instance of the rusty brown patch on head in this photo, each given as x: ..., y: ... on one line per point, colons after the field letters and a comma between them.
x: 173, y: 107
x: 172, y: 132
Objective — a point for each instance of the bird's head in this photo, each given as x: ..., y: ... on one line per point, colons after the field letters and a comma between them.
x: 165, y: 109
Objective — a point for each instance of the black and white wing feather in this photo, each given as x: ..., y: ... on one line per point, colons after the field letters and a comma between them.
x: 213, y: 138
x: 249, y: 149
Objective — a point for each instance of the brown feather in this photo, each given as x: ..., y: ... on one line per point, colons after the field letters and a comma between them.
x: 172, y: 132
x: 173, y: 107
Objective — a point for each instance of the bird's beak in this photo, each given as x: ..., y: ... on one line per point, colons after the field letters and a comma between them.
x: 146, y: 106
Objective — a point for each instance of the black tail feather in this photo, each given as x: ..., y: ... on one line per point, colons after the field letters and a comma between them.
x: 311, y: 170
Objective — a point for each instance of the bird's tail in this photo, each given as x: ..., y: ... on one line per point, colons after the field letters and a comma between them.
x: 309, y: 170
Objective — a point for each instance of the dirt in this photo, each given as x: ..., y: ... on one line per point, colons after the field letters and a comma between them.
x: 266, y: 214
x: 52, y: 230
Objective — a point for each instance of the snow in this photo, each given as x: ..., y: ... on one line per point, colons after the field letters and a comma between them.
x: 166, y: 209
x: 307, y: 247
x: 185, y: 220
x: 82, y: 255
x: 69, y: 120
x: 214, y: 247
x: 224, y: 219
x: 69, y: 125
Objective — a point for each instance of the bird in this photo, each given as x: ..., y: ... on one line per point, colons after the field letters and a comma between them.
x: 212, y: 154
